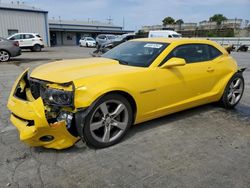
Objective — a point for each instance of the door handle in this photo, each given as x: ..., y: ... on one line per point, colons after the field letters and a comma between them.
x: 210, y: 69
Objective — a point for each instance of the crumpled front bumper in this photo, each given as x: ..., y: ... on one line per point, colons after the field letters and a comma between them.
x: 30, y: 120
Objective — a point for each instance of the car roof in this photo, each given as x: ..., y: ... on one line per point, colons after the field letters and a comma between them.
x: 180, y: 41
x: 171, y: 40
x: 26, y: 34
x: 164, y: 31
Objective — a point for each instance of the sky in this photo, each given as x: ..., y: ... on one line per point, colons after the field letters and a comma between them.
x: 137, y: 13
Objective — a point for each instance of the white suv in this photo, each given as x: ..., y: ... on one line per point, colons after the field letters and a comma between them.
x: 31, y: 41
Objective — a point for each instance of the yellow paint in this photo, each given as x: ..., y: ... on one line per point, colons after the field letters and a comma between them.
x: 156, y: 90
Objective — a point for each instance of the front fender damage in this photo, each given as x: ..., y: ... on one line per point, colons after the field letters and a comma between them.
x: 35, y: 123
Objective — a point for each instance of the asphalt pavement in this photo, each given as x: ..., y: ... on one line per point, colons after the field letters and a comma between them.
x: 207, y: 146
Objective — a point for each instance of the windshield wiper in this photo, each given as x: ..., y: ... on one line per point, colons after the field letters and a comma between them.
x: 122, y: 62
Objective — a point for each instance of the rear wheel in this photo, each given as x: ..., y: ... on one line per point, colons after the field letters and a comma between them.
x: 233, y: 92
x: 108, y: 121
x: 4, y: 56
x: 36, y: 48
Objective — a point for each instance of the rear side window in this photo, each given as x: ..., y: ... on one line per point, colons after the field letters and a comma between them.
x: 214, y: 52
x: 38, y: 36
x: 111, y: 37
x: 28, y: 36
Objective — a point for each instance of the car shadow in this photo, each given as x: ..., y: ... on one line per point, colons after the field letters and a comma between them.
x: 241, y: 111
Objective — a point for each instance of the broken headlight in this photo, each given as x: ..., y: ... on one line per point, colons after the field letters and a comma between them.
x: 57, y: 97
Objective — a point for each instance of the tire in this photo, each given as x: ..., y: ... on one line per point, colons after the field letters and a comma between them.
x: 4, y: 56
x: 87, y: 44
x: 36, y: 48
x: 233, y: 92
x: 108, y: 121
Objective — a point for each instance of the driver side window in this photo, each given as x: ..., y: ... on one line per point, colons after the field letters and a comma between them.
x: 192, y: 53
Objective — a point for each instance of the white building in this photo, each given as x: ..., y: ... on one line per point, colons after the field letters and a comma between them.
x: 17, y: 18
x: 68, y: 32
x: 20, y: 18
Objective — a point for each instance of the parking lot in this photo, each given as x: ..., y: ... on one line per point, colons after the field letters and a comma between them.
x: 207, y: 146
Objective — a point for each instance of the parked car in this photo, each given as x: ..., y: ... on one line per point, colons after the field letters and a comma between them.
x: 98, y: 99
x: 164, y: 34
x: 242, y: 48
x: 31, y: 41
x: 102, y: 38
x: 8, y: 49
x: 106, y: 46
x: 87, y: 41
x: 119, y: 39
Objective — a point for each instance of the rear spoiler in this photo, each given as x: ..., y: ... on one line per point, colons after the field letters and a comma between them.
x: 242, y: 70
x: 229, y: 48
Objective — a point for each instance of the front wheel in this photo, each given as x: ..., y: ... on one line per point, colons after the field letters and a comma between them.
x: 233, y: 92
x: 108, y: 121
x: 4, y: 56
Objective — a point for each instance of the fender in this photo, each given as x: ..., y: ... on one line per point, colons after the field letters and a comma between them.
x: 80, y: 117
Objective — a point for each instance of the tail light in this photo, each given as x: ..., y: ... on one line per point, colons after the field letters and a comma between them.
x: 16, y: 43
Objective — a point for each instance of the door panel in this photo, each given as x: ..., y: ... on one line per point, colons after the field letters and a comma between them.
x: 182, y: 85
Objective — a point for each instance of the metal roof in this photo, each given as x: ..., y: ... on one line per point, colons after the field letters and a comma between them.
x: 20, y: 7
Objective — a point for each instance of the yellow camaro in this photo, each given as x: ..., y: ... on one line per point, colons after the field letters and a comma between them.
x: 98, y: 99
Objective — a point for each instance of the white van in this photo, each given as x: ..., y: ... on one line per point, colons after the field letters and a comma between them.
x: 164, y: 34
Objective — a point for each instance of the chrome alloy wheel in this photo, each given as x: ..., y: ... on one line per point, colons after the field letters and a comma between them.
x: 109, y: 121
x: 4, y: 56
x: 235, y: 91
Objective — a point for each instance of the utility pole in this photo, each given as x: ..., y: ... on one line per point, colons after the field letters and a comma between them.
x: 110, y: 20
x: 123, y: 23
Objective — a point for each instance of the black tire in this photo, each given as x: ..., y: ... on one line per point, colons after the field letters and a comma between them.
x: 4, y: 56
x: 87, y: 44
x: 225, y: 99
x: 36, y: 48
x: 88, y: 137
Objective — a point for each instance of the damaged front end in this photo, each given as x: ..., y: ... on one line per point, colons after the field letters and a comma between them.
x: 43, y: 112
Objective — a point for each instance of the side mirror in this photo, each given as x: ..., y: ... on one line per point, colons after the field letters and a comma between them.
x: 174, y: 62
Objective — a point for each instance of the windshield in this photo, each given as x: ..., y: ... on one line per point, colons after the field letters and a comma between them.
x: 136, y: 53
x: 90, y: 39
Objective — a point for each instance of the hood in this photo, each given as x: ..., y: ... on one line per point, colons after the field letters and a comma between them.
x: 71, y: 70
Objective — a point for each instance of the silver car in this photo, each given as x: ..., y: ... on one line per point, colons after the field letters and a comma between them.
x: 8, y: 49
x: 103, y: 38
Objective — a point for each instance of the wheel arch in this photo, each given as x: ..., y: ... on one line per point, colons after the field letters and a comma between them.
x: 82, y: 113
x: 127, y: 96
x: 5, y: 50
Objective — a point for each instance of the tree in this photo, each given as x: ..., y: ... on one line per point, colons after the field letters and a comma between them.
x: 168, y: 21
x: 179, y: 22
x: 218, y: 18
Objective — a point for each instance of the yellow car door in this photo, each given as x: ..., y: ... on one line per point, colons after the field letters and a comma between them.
x: 181, y: 87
